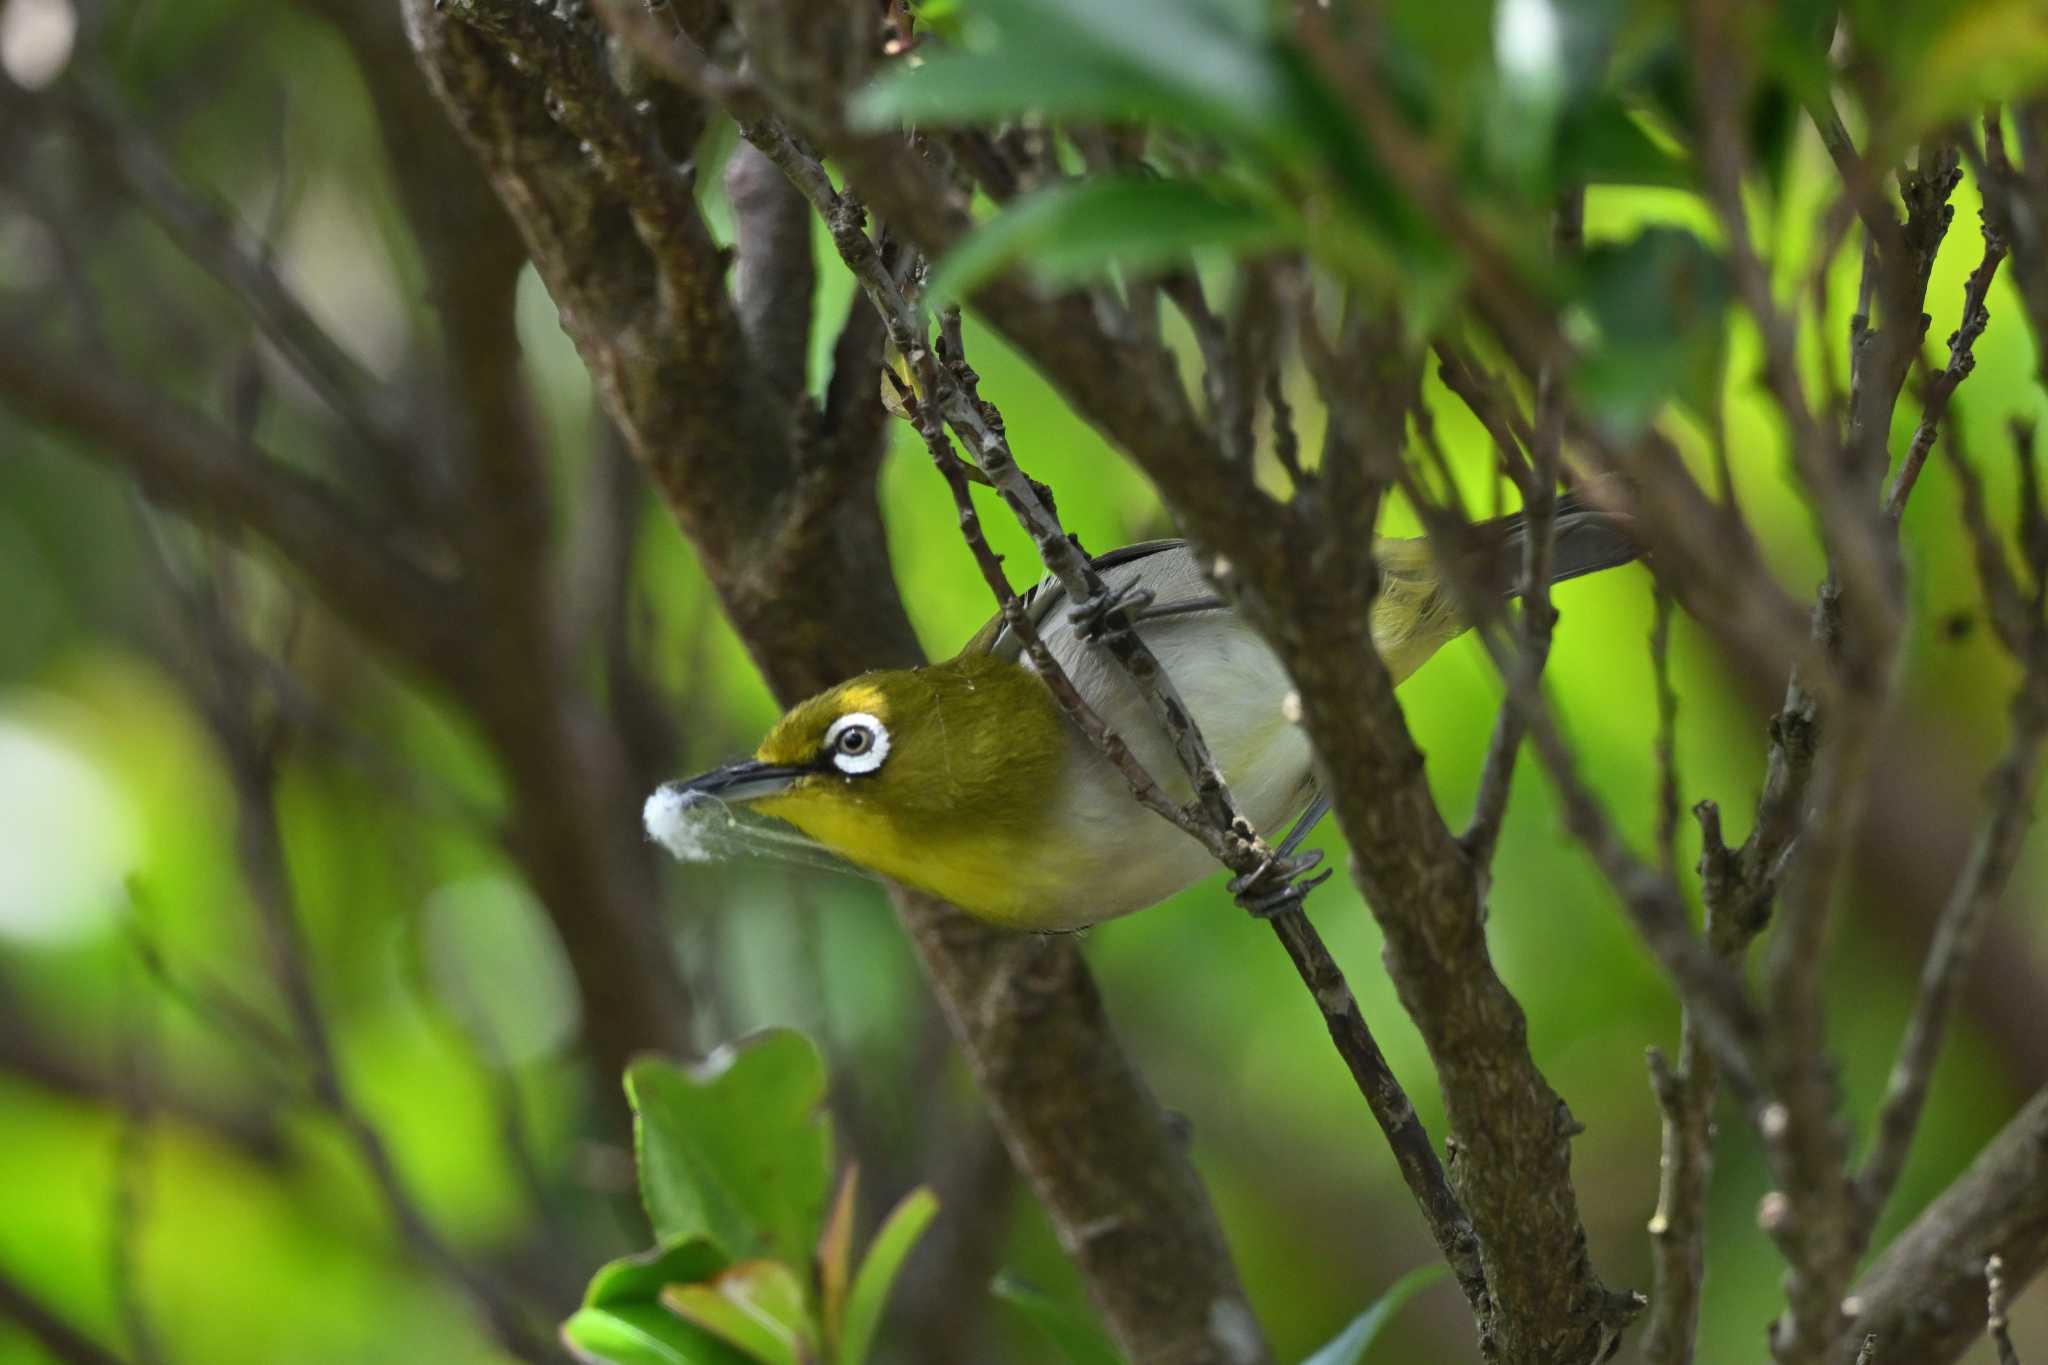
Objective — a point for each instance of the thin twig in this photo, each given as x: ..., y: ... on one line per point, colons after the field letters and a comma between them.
x: 1860, y: 185
x: 1652, y: 901
x: 1686, y: 1099
x: 131, y: 1175
x: 1685, y: 1096
x: 930, y: 425
x: 1995, y: 1303
x: 1845, y: 524
x: 263, y: 864
x: 1991, y: 862
x: 1666, y: 743
x: 1803, y: 1135
x: 2007, y: 604
x: 1940, y: 389
x: 199, y: 468
x: 1677, y: 1229
x: 252, y: 735
x: 215, y: 240
x: 1538, y: 486
x: 1995, y: 853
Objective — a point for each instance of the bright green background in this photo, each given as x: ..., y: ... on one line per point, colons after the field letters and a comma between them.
x: 447, y: 992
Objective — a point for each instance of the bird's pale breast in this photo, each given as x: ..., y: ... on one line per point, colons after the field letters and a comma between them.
x: 1116, y: 855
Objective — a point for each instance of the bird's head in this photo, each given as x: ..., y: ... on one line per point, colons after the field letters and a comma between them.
x: 905, y: 771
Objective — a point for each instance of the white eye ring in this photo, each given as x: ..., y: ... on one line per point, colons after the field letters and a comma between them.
x: 857, y: 742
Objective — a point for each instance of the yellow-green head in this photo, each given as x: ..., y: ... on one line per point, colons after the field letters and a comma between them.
x: 938, y: 777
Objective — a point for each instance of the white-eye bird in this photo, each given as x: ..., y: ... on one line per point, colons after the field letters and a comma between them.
x: 965, y: 779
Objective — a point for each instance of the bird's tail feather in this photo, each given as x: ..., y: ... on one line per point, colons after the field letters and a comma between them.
x: 1586, y: 540
x: 1417, y: 612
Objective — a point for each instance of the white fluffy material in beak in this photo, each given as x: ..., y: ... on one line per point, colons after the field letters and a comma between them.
x: 684, y: 822
x: 702, y: 827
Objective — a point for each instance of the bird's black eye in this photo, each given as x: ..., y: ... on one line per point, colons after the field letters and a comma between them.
x: 857, y: 743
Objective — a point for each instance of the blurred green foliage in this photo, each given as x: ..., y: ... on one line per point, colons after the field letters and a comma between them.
x: 252, y: 1229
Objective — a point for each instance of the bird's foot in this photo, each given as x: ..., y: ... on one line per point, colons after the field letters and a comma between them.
x: 1090, y: 616
x: 1279, y: 883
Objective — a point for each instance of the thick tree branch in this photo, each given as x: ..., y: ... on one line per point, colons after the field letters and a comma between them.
x: 1390, y: 1106
x: 1924, y: 1297
x: 1086, y: 1132
x: 1410, y: 866
x: 776, y: 276
x: 814, y: 608
x: 624, y: 252
x: 1211, y: 818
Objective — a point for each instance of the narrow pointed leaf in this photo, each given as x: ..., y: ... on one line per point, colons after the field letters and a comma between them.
x: 1349, y: 1346
x: 642, y: 1333
x: 1197, y: 64
x: 1075, y: 230
x: 641, y: 1278
x: 893, y: 1243
x: 757, y: 1306
x: 622, y: 1323
x: 835, y: 1254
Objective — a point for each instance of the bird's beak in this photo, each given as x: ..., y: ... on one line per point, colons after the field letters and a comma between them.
x: 674, y: 815
x: 736, y: 782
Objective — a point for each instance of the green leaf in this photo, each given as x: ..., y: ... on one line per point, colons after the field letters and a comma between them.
x: 1550, y: 58
x: 1440, y: 48
x: 1349, y: 1346
x: 1079, y: 1341
x: 643, y: 1277
x: 893, y: 1242
x: 1206, y: 64
x: 1659, y: 305
x: 835, y: 1254
x: 757, y: 1306
x: 1074, y: 230
x: 621, y: 1321
x: 642, y: 1334
x: 1989, y: 53
x: 1604, y: 144
x: 738, y: 1150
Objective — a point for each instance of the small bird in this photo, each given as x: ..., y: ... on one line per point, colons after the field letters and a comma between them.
x: 965, y: 779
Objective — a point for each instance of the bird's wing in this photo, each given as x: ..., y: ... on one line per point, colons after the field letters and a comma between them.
x: 1166, y: 567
